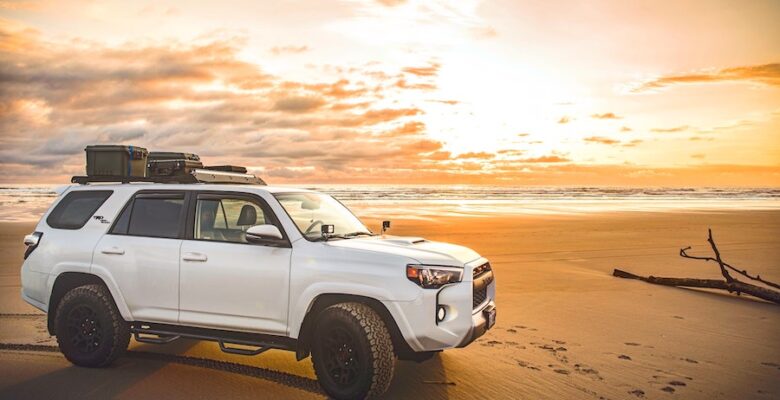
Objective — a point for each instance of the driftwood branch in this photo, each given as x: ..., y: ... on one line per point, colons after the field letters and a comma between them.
x: 730, y: 283
x: 723, y: 265
x: 733, y: 286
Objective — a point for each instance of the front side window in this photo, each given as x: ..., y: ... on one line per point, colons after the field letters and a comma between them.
x: 226, y: 219
x: 152, y: 215
x: 310, y: 211
x: 76, y: 208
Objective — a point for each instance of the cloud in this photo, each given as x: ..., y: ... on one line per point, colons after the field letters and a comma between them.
x: 612, y: 142
x: 299, y: 104
x: 601, y: 140
x: 608, y: 115
x: 675, y: 129
x: 430, y: 70
x: 544, y: 159
x: 58, y: 97
x: 767, y: 74
x: 564, y: 120
x: 476, y: 155
x: 279, y: 50
x: 625, y: 129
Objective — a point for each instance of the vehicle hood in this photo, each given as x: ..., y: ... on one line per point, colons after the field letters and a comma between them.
x: 418, y: 249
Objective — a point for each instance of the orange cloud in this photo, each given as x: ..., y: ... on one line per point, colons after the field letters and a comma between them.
x: 768, y: 74
x: 430, y: 70
x: 601, y: 140
x: 476, y: 155
x: 675, y: 129
x: 608, y: 115
x: 279, y: 50
x: 564, y: 120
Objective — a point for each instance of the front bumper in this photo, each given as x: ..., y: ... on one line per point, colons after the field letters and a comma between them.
x: 464, y: 322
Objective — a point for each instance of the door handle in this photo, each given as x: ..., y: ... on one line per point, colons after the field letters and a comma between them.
x: 194, y: 257
x: 113, y: 250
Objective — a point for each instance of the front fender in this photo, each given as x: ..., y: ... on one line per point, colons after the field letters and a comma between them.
x: 306, y: 299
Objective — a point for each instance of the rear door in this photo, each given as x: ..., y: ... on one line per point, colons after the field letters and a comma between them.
x: 227, y: 282
x: 141, y: 253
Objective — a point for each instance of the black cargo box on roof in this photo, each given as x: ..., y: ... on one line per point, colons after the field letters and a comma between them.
x: 116, y: 160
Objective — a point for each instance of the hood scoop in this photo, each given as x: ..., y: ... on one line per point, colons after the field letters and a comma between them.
x: 405, y: 241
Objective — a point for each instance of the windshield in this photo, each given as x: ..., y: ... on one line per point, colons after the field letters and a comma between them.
x: 310, y: 211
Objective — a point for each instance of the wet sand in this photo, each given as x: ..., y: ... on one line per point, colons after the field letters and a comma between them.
x: 566, y: 328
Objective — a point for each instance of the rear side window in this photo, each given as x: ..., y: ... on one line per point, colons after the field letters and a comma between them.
x: 76, y: 208
x: 153, y: 215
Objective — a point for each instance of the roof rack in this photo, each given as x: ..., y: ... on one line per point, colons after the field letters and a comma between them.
x: 197, y: 176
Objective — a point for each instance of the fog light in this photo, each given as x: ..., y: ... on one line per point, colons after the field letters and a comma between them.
x: 441, y: 313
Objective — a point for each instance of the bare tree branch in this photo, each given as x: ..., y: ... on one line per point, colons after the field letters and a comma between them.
x: 730, y: 284
x: 743, y: 272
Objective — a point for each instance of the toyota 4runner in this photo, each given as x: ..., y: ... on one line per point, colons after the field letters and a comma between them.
x: 252, y: 268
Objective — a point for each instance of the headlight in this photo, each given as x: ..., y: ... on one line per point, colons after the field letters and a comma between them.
x: 433, y: 277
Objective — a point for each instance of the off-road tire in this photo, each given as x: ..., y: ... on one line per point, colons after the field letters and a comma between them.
x: 90, y: 330
x: 371, y: 352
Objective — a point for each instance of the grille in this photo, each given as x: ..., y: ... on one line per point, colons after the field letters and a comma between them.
x: 479, y: 296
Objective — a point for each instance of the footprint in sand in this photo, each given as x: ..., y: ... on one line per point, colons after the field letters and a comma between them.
x: 638, y: 393
x: 562, y: 371
x: 632, y: 344
x: 771, y: 364
x: 668, y: 389
x: 491, y: 343
x: 624, y: 357
x: 678, y: 317
x: 688, y: 360
x: 528, y: 365
x: 677, y: 383
x: 510, y: 330
x: 586, y: 370
x: 559, y: 342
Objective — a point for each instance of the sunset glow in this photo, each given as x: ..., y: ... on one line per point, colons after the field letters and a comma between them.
x: 394, y: 91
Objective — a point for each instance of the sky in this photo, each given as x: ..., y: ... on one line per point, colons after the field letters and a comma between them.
x: 607, y: 93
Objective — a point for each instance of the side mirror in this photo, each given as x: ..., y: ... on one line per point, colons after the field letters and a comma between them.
x: 263, y: 233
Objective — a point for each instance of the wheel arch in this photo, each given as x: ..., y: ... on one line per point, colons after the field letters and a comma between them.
x: 68, y: 281
x: 323, y: 301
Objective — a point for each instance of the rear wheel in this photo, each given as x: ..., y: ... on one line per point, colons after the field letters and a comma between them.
x: 352, y: 352
x: 90, y: 330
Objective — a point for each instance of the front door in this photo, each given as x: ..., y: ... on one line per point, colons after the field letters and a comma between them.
x: 225, y: 281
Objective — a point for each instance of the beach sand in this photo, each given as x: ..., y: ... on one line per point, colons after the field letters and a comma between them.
x: 566, y: 328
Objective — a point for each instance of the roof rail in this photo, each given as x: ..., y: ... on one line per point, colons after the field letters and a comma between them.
x: 197, y: 176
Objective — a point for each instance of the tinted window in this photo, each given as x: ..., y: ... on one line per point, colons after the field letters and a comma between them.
x: 73, y: 211
x: 154, y: 216
x: 226, y: 220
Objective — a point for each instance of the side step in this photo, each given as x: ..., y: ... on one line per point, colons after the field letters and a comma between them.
x: 146, y: 332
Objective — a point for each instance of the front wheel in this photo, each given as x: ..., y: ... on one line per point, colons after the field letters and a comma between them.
x: 90, y: 330
x: 352, y: 352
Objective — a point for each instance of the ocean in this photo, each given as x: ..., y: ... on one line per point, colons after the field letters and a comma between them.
x: 29, y: 202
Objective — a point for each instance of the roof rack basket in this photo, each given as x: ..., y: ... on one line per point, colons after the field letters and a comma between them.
x: 197, y: 176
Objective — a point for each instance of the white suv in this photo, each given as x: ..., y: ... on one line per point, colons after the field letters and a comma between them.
x: 253, y: 268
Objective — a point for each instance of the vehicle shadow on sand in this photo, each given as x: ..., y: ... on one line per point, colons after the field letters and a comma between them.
x: 427, y: 379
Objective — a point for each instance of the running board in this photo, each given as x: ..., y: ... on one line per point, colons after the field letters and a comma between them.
x: 154, y: 333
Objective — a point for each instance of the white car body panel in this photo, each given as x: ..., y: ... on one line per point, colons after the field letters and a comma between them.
x: 238, y: 286
x: 255, y: 288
